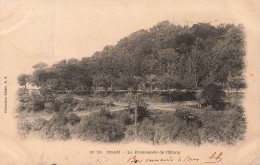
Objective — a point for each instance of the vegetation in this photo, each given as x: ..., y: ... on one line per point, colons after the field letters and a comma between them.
x: 167, y: 84
x: 164, y: 57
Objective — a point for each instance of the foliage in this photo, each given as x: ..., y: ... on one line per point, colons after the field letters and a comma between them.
x: 224, y: 127
x: 38, y: 124
x: 125, y: 118
x: 56, y: 128
x: 99, y: 129
x: 37, y: 101
x: 165, y: 56
x: 146, y: 131
x: 55, y: 132
x: 105, y: 112
x: 214, y: 94
x: 23, y: 79
x: 73, y: 118
x: 24, y: 128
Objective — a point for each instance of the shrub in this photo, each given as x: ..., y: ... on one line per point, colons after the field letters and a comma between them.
x: 56, y: 105
x: 38, y: 101
x: 125, y: 118
x: 99, y: 129
x: 21, y: 107
x: 129, y: 133
x: 69, y: 99
x: 59, y: 119
x: 38, y: 105
x: 65, y: 108
x: 146, y: 130
x: 73, y: 118
x: 224, y: 126
x: 214, y: 94
x: 39, y: 124
x: 56, y: 128
x: 142, y: 112
x: 22, y: 91
x: 50, y: 98
x: 189, y: 116
x: 55, y: 132
x: 106, y: 113
x: 23, y: 95
x: 24, y: 128
x: 179, y: 95
x: 45, y: 91
x: 48, y: 107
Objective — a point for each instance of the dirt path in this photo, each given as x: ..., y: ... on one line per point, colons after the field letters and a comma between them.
x: 119, y: 106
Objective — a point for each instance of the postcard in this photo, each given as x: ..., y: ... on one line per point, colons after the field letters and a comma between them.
x: 129, y: 82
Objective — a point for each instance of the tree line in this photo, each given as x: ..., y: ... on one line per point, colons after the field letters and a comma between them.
x: 164, y: 57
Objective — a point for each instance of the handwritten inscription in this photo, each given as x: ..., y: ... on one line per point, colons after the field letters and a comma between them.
x: 214, y: 158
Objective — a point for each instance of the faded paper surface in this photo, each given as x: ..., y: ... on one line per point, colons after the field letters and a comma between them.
x: 49, y: 31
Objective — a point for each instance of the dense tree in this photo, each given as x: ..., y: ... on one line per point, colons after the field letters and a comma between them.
x: 23, y: 79
x: 214, y: 95
x: 166, y: 56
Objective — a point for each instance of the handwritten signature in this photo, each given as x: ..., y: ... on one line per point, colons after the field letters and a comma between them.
x: 214, y: 158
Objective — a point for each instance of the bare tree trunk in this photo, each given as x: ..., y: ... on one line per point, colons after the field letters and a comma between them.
x: 196, y: 80
x: 136, y: 121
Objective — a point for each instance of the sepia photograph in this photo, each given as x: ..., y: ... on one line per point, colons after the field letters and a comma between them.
x: 114, y: 82
x: 159, y: 85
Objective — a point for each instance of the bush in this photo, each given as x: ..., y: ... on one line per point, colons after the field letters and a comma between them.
x: 129, y: 133
x: 21, y: 107
x: 56, y: 105
x: 22, y: 91
x: 125, y: 118
x: 50, y: 98
x: 56, y: 128
x: 38, y: 101
x: 214, y: 94
x: 38, y: 105
x: 99, y: 129
x: 23, y: 95
x: 65, y: 108
x: 146, y: 131
x: 69, y: 100
x: 55, y: 132
x: 59, y: 119
x: 24, y: 128
x: 179, y: 95
x: 142, y: 112
x: 189, y: 116
x: 73, y: 118
x: 224, y: 126
x: 106, y: 113
x: 49, y: 107
x: 39, y: 124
